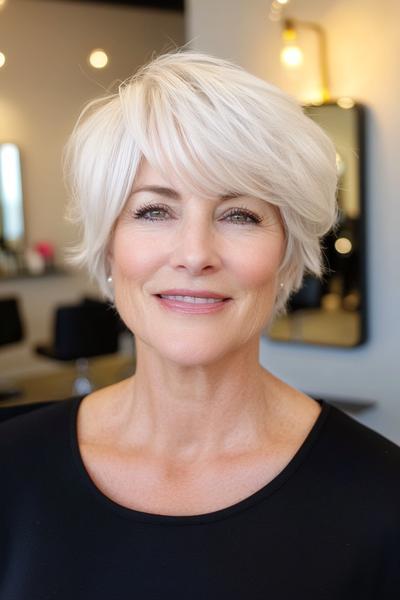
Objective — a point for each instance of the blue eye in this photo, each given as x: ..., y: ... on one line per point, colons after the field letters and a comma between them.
x: 157, y: 212
x: 249, y: 216
x: 141, y: 213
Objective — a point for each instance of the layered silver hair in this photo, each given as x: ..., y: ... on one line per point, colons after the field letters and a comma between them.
x: 218, y: 129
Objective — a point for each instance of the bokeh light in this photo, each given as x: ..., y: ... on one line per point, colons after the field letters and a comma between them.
x: 98, y: 59
x: 343, y: 245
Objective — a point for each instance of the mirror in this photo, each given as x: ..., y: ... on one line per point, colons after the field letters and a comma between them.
x: 333, y: 312
x: 12, y: 227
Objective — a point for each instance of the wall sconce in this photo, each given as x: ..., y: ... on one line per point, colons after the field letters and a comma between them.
x: 292, y: 55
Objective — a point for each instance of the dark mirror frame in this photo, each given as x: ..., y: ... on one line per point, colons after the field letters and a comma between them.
x: 360, y: 114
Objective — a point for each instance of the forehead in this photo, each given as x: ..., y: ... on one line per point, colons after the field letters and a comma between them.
x: 172, y: 186
x: 148, y: 175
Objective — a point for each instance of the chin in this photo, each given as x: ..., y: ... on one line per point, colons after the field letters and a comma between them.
x: 192, y: 353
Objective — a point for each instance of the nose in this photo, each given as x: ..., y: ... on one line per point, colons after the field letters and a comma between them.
x: 196, y: 247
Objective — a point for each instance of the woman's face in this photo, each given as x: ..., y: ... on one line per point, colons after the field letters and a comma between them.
x: 166, y: 241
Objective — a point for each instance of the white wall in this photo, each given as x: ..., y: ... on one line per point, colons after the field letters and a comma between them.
x: 43, y: 86
x: 46, y: 81
x: 364, y: 50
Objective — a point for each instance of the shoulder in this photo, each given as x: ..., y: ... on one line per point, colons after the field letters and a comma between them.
x: 29, y: 417
x: 360, y: 439
x: 358, y: 456
x: 30, y: 436
x: 357, y: 474
x: 35, y: 459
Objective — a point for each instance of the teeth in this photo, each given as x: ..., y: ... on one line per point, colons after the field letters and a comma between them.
x: 193, y: 299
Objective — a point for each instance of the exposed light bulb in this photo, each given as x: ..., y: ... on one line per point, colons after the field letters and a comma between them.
x: 2, y: 59
x: 292, y: 56
x: 98, y: 59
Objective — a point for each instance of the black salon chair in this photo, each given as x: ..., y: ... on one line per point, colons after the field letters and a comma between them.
x: 80, y: 332
x: 11, y: 332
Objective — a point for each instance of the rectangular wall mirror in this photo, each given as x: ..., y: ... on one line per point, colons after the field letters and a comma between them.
x: 12, y: 228
x: 333, y: 312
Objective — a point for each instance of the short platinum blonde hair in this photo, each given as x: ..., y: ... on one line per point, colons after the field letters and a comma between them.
x: 220, y: 130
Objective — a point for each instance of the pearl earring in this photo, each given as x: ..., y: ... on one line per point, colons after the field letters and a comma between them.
x: 281, y: 284
x: 109, y: 279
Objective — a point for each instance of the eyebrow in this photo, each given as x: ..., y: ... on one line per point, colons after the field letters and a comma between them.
x: 156, y: 189
x: 170, y: 193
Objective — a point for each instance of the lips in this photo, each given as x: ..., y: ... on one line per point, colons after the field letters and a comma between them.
x: 193, y: 293
x: 192, y: 305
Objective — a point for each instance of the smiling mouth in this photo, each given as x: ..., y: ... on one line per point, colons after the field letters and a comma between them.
x: 193, y: 299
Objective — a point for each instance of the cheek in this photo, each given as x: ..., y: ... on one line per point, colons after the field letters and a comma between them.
x: 257, y: 271
x: 258, y: 266
x: 135, y: 258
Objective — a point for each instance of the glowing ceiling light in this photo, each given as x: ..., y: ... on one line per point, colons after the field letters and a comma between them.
x: 282, y: 1
x: 292, y: 56
x: 98, y: 59
x: 2, y: 59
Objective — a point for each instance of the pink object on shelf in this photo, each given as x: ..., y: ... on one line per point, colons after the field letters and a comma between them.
x: 46, y: 250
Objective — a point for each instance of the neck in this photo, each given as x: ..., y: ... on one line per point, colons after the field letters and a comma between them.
x: 191, y: 414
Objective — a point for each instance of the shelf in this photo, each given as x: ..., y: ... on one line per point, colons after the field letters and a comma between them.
x: 56, y: 271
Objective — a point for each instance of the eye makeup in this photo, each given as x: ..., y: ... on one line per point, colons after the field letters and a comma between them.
x: 243, y: 212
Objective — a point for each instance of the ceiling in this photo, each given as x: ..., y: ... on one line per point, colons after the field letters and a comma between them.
x: 177, y: 5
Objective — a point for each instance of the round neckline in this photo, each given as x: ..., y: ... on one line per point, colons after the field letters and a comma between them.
x: 220, y: 514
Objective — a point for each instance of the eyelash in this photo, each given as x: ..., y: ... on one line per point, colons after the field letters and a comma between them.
x: 140, y: 213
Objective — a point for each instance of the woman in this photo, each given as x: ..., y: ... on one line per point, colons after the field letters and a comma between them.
x: 203, y: 193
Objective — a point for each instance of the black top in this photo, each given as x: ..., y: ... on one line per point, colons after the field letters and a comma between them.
x: 326, y: 528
